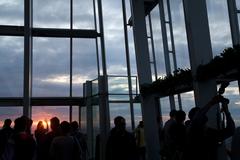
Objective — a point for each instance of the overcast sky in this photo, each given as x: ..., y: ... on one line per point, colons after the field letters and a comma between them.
x: 51, y: 55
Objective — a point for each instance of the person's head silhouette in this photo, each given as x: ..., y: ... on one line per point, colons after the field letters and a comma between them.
x: 120, y: 122
x: 55, y: 122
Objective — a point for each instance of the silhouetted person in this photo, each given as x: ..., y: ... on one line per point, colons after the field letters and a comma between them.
x: 40, y: 135
x: 63, y: 147
x: 203, y: 142
x: 21, y: 146
x: 140, y: 141
x: 55, y: 131
x: 165, y: 137
x: 121, y: 144
x: 191, y: 115
x: 80, y: 139
x: 235, y: 146
x: 177, y: 133
x: 5, y: 133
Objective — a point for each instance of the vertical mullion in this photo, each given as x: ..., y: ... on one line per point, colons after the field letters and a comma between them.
x: 96, y: 39
x: 128, y: 63
x: 71, y: 57
x: 27, y: 58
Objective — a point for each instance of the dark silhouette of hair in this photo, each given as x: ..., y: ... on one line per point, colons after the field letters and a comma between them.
x: 20, y: 124
x: 173, y: 113
x: 193, y: 112
x: 7, y: 123
x: 40, y: 125
x: 54, y: 123
x: 180, y: 116
x: 65, y: 127
x: 119, y: 120
x: 74, y: 125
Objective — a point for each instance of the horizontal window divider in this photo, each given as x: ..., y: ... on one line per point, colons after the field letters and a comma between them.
x: 44, y: 101
x: 49, y: 32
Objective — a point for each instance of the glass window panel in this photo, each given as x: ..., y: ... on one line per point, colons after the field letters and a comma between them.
x: 96, y: 126
x: 114, y: 37
x: 12, y: 12
x: 83, y: 119
x: 137, y: 113
x: 120, y: 109
x: 51, y: 62
x: 232, y: 93
x: 10, y: 112
x: 188, y: 102
x: 11, y: 66
x: 219, y: 25
x: 118, y: 85
x: 165, y: 108
x: 75, y: 113
x: 118, y: 97
x: 179, y: 33
x: 45, y: 113
x: 84, y: 63
x: 158, y: 43
x: 83, y: 15
x: 51, y: 13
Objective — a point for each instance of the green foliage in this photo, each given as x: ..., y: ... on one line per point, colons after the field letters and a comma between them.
x: 181, y: 79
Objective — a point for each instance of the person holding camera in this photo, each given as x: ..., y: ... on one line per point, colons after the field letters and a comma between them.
x: 203, y: 141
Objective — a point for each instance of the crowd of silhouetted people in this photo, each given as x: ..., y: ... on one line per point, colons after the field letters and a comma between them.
x: 63, y: 142
x: 179, y: 139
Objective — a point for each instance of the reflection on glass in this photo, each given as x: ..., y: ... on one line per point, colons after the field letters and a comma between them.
x: 45, y: 113
x: 83, y: 120
x: 51, y: 13
x: 96, y: 126
x: 118, y: 85
x: 11, y: 51
x: 120, y: 109
x: 12, y: 12
x: 75, y: 113
x: 51, y: 62
x: 10, y: 112
x: 84, y: 63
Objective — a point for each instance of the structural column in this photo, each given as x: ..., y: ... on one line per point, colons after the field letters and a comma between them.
x: 27, y: 58
x: 89, y: 118
x: 200, y: 51
x: 104, y: 115
x: 145, y: 77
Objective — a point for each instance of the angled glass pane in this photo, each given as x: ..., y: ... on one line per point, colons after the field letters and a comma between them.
x: 10, y: 112
x: 75, y: 113
x: 12, y: 12
x: 179, y: 33
x: 120, y: 109
x: 51, y: 67
x: 11, y: 66
x: 83, y: 120
x: 51, y: 13
x: 165, y: 108
x: 84, y: 63
x: 219, y: 25
x: 83, y: 15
